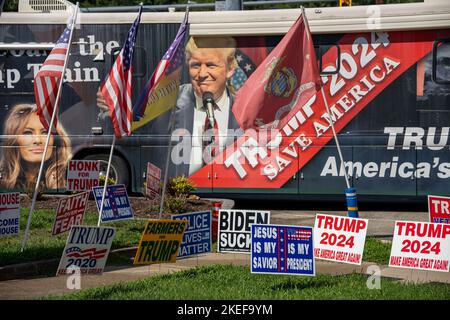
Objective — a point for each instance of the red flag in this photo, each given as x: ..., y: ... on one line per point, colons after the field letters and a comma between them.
x: 117, y: 87
x: 282, y: 83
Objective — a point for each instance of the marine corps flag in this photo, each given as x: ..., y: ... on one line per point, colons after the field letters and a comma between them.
x: 282, y: 83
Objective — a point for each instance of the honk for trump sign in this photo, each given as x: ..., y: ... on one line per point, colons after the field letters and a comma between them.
x: 160, y: 241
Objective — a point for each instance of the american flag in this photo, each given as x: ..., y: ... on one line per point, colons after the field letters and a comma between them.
x: 91, y: 253
x: 171, y: 61
x: 298, y: 234
x: 117, y: 87
x: 47, y: 80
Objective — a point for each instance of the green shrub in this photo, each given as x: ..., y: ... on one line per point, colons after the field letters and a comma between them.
x: 175, y: 204
x: 101, y: 181
x: 180, y: 186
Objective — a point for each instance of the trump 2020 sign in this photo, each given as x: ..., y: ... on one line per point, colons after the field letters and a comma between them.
x: 282, y: 250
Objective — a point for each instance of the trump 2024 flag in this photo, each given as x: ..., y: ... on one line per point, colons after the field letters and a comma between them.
x: 117, y: 87
x: 282, y: 83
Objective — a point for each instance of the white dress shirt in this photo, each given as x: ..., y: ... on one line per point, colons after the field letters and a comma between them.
x: 221, y: 117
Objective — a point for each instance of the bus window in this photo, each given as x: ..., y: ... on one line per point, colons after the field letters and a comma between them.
x: 333, y: 63
x: 441, y: 61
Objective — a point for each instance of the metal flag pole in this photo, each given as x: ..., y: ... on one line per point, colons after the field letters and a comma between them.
x: 171, y: 123
x: 166, y: 169
x: 106, y: 180
x: 50, y: 129
x: 350, y: 192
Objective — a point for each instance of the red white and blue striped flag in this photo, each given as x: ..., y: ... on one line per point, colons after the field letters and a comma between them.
x: 46, y: 82
x: 166, y: 78
x: 117, y: 87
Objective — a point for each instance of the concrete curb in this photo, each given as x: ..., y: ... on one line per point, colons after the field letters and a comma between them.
x: 27, y: 269
x: 36, y: 268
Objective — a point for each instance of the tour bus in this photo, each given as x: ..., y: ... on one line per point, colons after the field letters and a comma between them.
x: 386, y: 79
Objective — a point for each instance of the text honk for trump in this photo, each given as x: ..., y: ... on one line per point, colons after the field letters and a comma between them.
x: 160, y: 241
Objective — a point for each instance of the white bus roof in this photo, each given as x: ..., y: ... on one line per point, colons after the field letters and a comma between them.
x: 410, y: 16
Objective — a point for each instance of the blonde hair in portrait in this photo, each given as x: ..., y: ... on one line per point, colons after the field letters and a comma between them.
x: 14, y: 167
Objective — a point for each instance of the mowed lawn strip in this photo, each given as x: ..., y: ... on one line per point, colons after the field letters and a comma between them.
x: 225, y: 282
x: 42, y: 246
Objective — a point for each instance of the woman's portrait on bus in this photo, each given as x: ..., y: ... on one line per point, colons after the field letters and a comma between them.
x: 24, y: 139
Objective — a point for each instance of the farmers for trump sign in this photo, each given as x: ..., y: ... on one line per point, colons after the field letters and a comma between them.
x: 339, y: 239
x: 70, y: 212
x: 160, y: 241
x: 87, y: 248
x: 421, y: 245
x: 9, y: 213
x: 282, y: 249
x: 82, y: 175
x: 234, y: 229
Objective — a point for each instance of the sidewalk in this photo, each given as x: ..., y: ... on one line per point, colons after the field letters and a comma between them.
x: 381, y: 225
x: 35, y: 288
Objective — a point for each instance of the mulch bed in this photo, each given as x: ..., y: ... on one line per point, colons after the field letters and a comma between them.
x: 141, y: 206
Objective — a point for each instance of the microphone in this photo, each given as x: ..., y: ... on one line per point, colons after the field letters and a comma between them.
x: 208, y: 103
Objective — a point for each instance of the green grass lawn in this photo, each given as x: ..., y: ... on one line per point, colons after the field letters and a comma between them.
x: 42, y: 246
x: 221, y: 282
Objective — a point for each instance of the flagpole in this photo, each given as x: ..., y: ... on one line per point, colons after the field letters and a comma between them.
x: 166, y: 169
x: 350, y: 192
x: 335, y: 136
x: 106, y: 181
x: 33, y: 202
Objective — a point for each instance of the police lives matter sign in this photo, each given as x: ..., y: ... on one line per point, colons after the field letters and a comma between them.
x: 282, y: 249
x: 339, y: 239
x: 82, y: 175
x: 234, y: 229
x: 87, y: 248
x: 421, y: 245
x: 197, y: 237
x: 9, y: 213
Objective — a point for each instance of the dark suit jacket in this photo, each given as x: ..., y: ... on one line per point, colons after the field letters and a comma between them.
x: 183, y: 118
